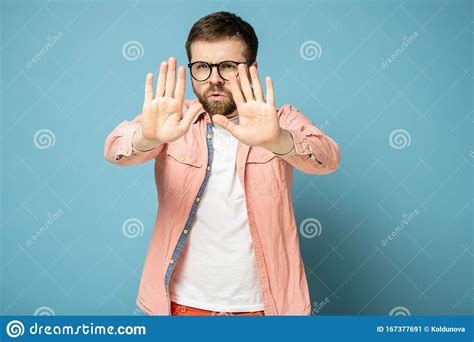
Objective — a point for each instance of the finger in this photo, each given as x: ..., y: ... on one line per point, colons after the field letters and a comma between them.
x: 270, y: 92
x: 225, y: 123
x: 244, y: 82
x: 189, y: 116
x: 181, y: 84
x: 160, y: 85
x: 257, y: 88
x: 149, y: 87
x: 170, y: 77
x: 236, y: 93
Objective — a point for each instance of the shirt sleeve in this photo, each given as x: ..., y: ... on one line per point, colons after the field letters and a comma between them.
x: 313, y: 151
x: 119, y: 149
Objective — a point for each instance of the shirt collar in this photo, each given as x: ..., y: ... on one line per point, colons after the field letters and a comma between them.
x: 202, y: 114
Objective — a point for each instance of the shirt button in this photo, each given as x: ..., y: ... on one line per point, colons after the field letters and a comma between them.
x: 171, y: 261
x: 198, y: 199
x: 209, y: 136
x: 181, y: 157
x: 185, y: 231
x: 208, y: 168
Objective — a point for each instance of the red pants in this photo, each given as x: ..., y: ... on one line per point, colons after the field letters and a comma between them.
x: 184, y: 310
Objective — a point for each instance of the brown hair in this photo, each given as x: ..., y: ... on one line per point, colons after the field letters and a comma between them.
x: 219, y: 25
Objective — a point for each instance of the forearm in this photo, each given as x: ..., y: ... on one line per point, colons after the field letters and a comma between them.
x: 313, y: 151
x: 120, y: 150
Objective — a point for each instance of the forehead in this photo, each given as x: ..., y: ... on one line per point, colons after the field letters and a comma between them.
x: 218, y: 50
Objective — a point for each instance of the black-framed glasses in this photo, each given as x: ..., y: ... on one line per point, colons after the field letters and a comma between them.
x: 201, y: 71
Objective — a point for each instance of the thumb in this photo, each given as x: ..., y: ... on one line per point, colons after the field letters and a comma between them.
x: 191, y: 114
x: 225, y: 123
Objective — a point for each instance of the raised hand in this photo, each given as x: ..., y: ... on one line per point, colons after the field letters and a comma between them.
x: 258, y: 118
x: 162, y: 117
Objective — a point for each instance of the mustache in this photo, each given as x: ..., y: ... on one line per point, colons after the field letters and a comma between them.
x: 219, y: 90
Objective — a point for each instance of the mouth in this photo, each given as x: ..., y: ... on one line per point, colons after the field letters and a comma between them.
x: 217, y: 96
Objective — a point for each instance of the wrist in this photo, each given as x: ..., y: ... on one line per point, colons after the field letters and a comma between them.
x: 283, y: 144
x: 142, y: 144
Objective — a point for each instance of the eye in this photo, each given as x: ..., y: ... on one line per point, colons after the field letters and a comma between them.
x: 202, y: 66
x: 229, y: 66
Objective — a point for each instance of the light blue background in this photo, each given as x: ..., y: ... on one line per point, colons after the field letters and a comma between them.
x: 83, y: 87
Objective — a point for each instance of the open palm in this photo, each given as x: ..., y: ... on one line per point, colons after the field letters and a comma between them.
x: 163, y: 119
x: 258, y: 119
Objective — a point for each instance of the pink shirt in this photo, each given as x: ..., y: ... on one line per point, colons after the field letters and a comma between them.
x: 182, y: 169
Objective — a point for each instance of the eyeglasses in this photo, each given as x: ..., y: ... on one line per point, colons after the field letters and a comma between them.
x: 201, y: 71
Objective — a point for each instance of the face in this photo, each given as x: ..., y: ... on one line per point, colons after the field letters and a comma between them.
x: 215, y: 93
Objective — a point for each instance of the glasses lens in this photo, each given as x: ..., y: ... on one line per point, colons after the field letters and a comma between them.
x: 200, y: 71
x: 228, y: 68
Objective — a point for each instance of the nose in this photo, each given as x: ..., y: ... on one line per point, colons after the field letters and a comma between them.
x: 215, y: 78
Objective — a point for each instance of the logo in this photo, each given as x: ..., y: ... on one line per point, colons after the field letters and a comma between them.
x: 132, y: 50
x: 132, y: 228
x: 44, y: 138
x: 15, y: 329
x: 310, y: 228
x: 400, y: 311
x: 399, y: 139
x: 310, y: 50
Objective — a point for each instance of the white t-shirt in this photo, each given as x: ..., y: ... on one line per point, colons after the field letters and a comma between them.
x: 217, y: 269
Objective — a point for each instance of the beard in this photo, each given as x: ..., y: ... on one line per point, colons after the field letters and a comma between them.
x: 224, y: 107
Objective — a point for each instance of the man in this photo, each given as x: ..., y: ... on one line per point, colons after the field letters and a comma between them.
x: 225, y: 239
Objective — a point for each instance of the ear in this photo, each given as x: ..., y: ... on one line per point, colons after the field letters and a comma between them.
x: 255, y: 64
